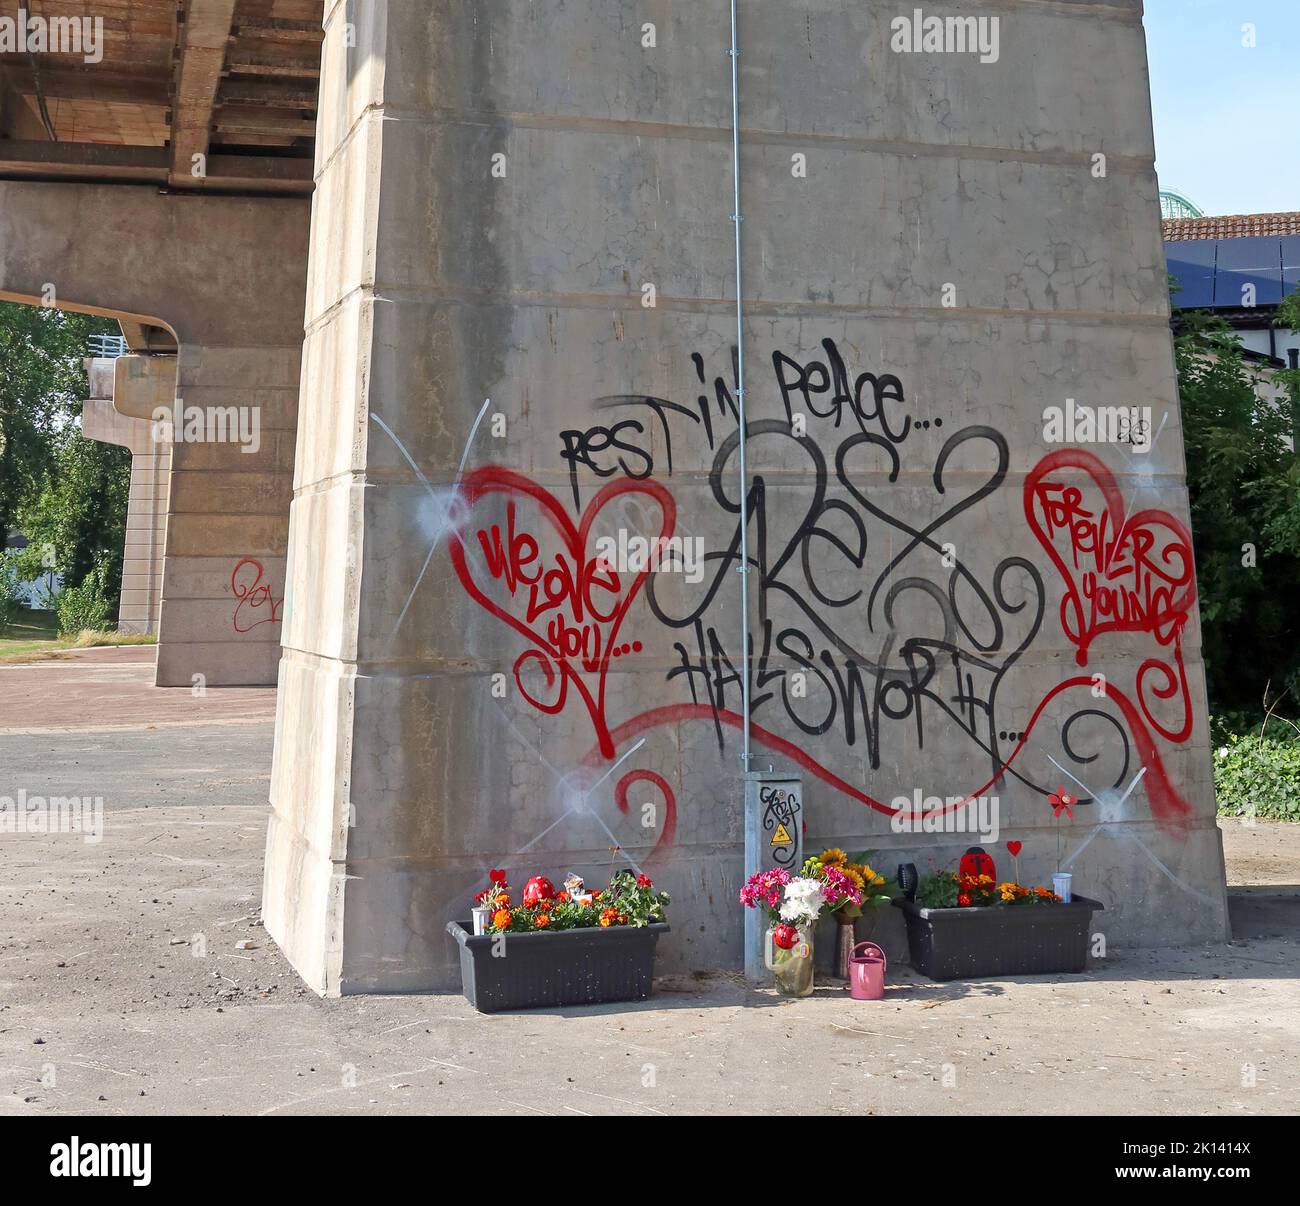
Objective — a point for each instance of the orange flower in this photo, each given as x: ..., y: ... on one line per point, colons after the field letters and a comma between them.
x: 542, y: 920
x: 561, y: 898
x: 622, y: 919
x: 501, y: 918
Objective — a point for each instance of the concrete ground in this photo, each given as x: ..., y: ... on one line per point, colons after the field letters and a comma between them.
x: 127, y: 985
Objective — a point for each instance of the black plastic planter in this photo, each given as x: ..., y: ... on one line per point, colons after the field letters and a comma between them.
x: 565, y: 967
x: 1015, y: 940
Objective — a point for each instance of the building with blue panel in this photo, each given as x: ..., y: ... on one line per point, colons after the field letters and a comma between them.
x: 1239, y: 267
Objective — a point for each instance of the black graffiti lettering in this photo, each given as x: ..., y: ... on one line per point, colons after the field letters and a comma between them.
x: 817, y: 379
x: 890, y: 630
x: 798, y: 647
x: 663, y: 409
x: 808, y: 380
x: 724, y: 399
x: 581, y: 447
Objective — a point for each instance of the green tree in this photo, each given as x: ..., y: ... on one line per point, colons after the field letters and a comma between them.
x: 42, y: 386
x: 79, y: 511
x: 1288, y: 317
x: 1243, y: 480
x: 63, y: 492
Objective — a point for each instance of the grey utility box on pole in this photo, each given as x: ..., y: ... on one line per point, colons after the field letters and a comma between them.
x: 773, y: 838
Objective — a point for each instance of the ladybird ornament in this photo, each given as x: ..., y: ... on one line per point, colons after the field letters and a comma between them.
x: 976, y: 862
x: 536, y: 890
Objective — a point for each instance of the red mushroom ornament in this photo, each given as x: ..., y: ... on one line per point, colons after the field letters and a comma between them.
x: 536, y: 890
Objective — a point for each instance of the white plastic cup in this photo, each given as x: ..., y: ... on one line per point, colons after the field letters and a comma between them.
x: 1061, y: 886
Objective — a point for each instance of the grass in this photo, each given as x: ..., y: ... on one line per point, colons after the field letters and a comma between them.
x: 35, y: 636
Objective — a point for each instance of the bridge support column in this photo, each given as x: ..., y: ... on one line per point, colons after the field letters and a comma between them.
x: 532, y: 204
x: 108, y: 416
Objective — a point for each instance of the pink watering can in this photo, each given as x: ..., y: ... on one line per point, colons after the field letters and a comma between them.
x: 867, y: 973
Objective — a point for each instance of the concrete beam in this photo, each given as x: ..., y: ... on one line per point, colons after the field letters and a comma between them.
x: 99, y: 162
x: 256, y: 64
x: 282, y: 29
x: 203, y: 43
x: 240, y: 120
x: 83, y: 83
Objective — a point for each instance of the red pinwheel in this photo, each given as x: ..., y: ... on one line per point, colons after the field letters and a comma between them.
x: 1061, y: 802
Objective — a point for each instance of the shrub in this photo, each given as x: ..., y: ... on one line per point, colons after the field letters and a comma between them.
x: 1258, y: 776
x: 11, y: 605
x: 86, y: 605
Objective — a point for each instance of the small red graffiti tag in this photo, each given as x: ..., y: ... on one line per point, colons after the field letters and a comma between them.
x: 247, y: 586
x: 572, y: 605
x: 1123, y: 572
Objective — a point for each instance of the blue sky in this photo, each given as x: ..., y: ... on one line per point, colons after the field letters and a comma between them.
x: 1225, y: 116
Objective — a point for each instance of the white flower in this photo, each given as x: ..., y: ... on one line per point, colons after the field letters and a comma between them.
x: 803, y: 900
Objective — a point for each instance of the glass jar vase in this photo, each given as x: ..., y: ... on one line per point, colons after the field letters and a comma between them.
x: 793, y: 968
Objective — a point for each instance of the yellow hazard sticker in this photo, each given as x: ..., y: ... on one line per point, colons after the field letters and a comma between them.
x: 782, y: 837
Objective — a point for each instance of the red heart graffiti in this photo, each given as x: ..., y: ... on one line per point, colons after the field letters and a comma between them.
x: 1123, y: 573
x: 1014, y: 848
x: 581, y: 602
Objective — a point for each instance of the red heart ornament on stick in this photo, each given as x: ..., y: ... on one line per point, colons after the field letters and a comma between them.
x: 1015, y: 848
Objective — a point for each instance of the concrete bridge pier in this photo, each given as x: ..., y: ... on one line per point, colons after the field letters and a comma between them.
x: 124, y: 396
x: 523, y: 214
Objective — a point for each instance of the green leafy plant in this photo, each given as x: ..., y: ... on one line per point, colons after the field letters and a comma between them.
x: 86, y: 605
x: 11, y: 598
x: 938, y: 890
x: 952, y: 890
x: 634, y: 897
x: 1243, y: 481
x: 1258, y: 776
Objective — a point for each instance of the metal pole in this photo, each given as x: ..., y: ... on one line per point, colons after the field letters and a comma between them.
x: 740, y: 392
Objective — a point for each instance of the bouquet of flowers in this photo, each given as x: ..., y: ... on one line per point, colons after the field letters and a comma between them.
x: 796, y: 900
x: 851, y: 883
x: 766, y: 890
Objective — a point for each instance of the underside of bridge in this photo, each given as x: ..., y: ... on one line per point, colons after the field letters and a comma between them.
x: 212, y: 95
x: 156, y: 167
